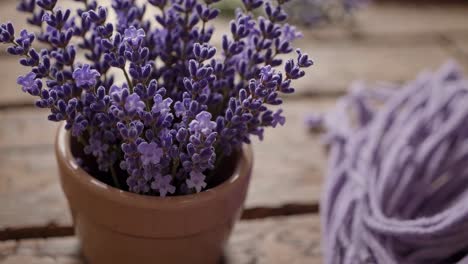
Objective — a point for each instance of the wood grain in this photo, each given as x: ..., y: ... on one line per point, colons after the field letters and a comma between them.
x: 391, y: 43
x: 379, y: 19
x: 288, y: 166
x: 402, y: 22
x: 27, y: 128
x: 29, y: 189
x: 396, y: 42
x: 413, y: 19
x: 339, y: 64
x: 272, y: 241
x: 336, y: 66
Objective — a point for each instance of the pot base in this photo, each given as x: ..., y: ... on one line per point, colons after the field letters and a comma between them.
x: 104, y: 246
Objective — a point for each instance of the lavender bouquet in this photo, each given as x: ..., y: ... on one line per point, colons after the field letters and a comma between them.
x: 181, y: 107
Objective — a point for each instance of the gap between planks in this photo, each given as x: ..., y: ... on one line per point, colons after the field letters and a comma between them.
x: 54, y: 230
x: 332, y: 93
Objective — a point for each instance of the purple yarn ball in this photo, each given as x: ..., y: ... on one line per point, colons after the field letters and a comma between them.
x: 397, y: 185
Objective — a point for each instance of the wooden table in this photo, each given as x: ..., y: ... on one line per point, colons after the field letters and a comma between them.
x: 281, y: 222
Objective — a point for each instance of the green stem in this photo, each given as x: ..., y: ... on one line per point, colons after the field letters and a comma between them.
x: 174, y: 168
x: 203, y: 27
x: 114, y: 177
x: 82, y: 141
x: 129, y: 82
x: 219, y: 159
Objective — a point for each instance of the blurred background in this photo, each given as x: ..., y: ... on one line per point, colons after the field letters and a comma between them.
x: 372, y: 41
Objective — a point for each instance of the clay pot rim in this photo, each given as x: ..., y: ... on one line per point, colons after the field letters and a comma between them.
x: 105, y: 191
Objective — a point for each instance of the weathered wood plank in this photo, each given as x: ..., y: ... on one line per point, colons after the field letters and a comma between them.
x: 288, y: 164
x: 276, y: 241
x: 29, y: 189
x: 271, y: 241
x: 27, y: 128
x: 379, y: 19
x: 336, y: 65
x: 405, y: 22
x: 388, y: 54
x: 412, y: 19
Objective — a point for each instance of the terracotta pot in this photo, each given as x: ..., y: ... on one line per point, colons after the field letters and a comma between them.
x: 119, y: 227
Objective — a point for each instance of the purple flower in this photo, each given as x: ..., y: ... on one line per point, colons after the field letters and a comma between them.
x: 278, y: 118
x: 163, y: 185
x: 203, y: 124
x: 96, y: 147
x: 85, y: 76
x: 290, y: 33
x: 28, y: 82
x: 47, y: 4
x: 196, y: 181
x: 79, y: 126
x: 266, y: 73
x: 46, y: 17
x: 134, y: 36
x: 160, y: 105
x: 115, y: 89
x: 134, y: 104
x: 151, y: 153
x: 25, y: 36
x: 180, y: 109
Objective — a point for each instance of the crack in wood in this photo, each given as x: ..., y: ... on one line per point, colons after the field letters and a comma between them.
x: 14, y: 105
x: 284, y: 210
x: 54, y: 230
x: 363, y: 37
x: 323, y: 93
x: 51, y: 230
